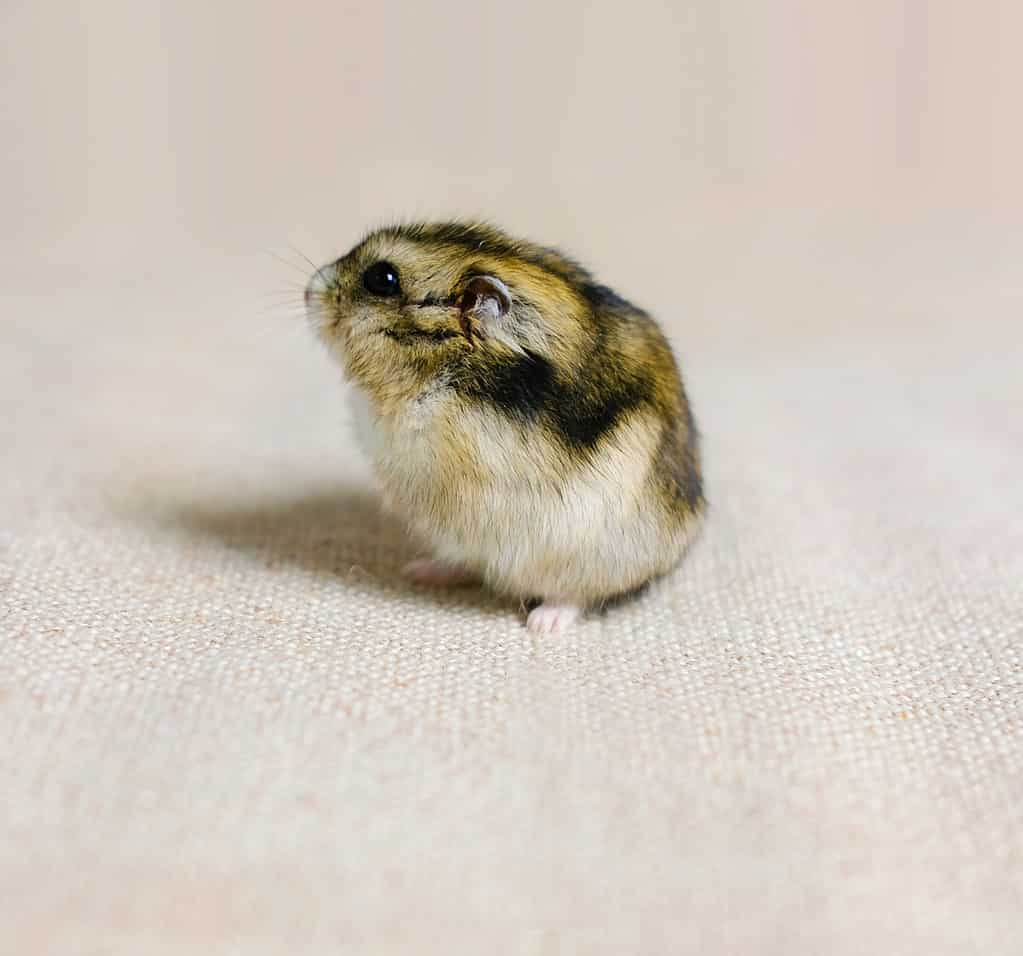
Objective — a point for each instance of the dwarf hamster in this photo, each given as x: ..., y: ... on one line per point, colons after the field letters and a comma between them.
x: 528, y: 423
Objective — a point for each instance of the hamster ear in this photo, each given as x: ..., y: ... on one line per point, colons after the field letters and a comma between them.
x: 485, y: 299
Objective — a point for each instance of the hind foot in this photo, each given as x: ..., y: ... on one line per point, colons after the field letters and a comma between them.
x: 552, y: 618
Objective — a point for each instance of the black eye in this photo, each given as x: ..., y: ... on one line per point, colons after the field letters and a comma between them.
x: 381, y: 279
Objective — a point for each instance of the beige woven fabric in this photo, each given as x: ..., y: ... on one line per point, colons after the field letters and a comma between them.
x: 227, y: 729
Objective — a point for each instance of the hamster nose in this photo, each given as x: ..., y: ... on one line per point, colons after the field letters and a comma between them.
x: 317, y: 284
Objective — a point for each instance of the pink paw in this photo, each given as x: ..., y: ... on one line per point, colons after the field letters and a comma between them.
x: 552, y: 618
x: 436, y: 573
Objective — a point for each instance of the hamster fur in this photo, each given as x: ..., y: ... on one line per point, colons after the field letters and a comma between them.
x: 529, y: 424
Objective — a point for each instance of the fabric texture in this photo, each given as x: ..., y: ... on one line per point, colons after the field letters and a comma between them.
x: 229, y: 728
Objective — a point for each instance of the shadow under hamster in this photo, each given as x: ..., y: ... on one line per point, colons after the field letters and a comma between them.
x: 339, y: 533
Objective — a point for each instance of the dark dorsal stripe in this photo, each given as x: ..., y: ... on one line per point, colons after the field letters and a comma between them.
x: 604, y: 297
x: 527, y: 389
x: 482, y: 239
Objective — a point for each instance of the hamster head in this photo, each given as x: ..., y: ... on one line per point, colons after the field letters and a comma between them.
x: 413, y: 305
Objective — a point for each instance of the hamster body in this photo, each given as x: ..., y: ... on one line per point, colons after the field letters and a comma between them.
x: 529, y: 424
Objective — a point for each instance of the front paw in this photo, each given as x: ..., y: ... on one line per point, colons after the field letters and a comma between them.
x: 437, y: 574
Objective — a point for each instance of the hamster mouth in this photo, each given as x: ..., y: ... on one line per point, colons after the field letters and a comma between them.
x: 411, y: 336
x: 434, y: 301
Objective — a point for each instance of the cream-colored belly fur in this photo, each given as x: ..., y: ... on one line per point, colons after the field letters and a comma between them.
x: 507, y: 502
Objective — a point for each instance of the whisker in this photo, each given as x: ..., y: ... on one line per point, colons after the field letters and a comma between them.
x: 281, y: 327
x: 288, y: 262
x: 287, y: 283
x: 281, y: 310
x: 277, y: 313
x: 299, y: 252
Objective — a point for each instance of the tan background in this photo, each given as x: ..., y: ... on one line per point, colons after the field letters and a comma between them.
x: 226, y: 728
